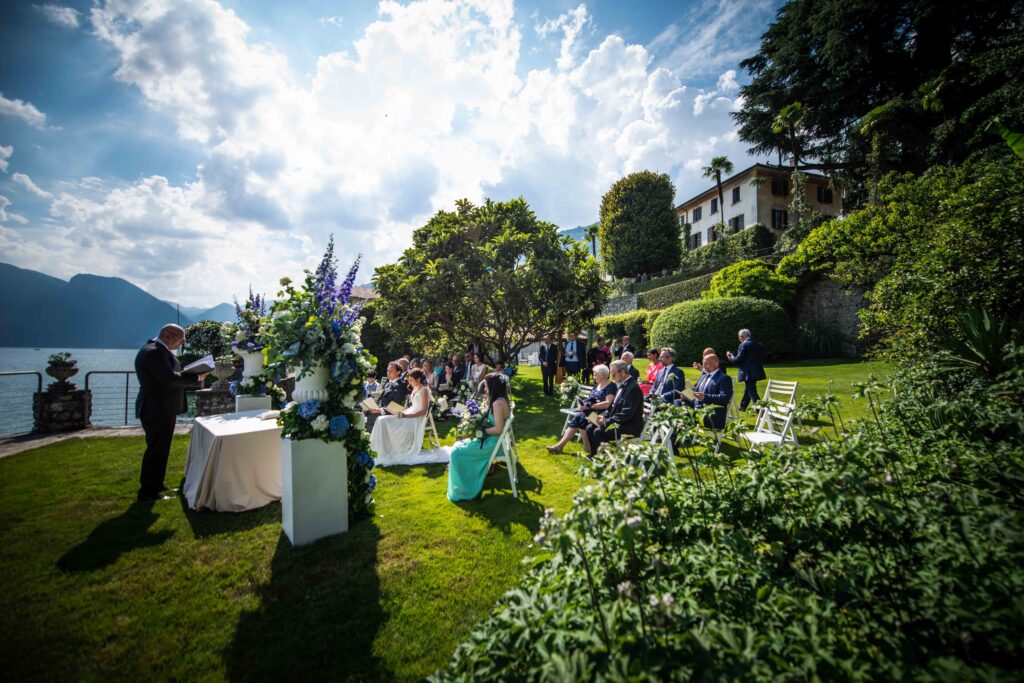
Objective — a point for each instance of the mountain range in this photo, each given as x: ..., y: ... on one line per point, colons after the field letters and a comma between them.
x: 87, y: 311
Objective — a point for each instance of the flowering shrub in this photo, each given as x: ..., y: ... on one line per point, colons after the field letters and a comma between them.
x: 260, y: 385
x: 316, y: 325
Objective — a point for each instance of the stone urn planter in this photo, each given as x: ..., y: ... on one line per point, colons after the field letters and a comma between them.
x: 62, y: 372
x: 313, y: 386
x: 223, y: 371
x: 253, y: 363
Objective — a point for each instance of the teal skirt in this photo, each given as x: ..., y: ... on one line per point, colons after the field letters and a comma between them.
x: 467, y: 468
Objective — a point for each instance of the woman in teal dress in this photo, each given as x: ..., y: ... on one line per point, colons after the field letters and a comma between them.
x: 470, y: 458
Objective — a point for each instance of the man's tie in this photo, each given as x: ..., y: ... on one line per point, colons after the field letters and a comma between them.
x: 658, y: 381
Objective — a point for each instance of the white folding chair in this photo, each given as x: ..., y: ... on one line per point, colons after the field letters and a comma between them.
x: 508, y: 455
x: 773, y: 427
x: 584, y: 392
x: 432, y: 428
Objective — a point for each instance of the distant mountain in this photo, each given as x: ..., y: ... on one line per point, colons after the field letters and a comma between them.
x: 190, y: 311
x: 222, y: 313
x: 88, y: 311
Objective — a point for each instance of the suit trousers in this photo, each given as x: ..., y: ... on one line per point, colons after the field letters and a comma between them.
x: 159, y: 433
x: 549, y: 380
x: 749, y: 393
x: 599, y: 435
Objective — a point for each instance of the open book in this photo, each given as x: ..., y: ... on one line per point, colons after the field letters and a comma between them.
x: 592, y: 419
x: 203, y: 365
x: 687, y: 391
x: 394, y: 408
x: 370, y: 404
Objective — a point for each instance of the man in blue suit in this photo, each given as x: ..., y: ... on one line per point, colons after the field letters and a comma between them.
x: 713, y: 388
x: 749, y: 359
x: 670, y: 378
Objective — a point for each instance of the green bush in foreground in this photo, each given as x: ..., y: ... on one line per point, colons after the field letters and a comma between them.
x: 896, y: 553
x: 691, y: 326
x: 751, y: 278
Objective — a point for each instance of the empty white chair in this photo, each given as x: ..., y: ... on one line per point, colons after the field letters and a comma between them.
x: 773, y: 427
x: 508, y: 454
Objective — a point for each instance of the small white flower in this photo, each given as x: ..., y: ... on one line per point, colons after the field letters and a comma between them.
x: 270, y: 385
x: 348, y: 349
x: 319, y: 424
x: 361, y: 421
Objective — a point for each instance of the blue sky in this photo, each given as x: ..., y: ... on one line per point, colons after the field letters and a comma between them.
x: 194, y: 147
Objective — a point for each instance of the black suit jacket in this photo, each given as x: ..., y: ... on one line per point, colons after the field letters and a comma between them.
x: 551, y: 356
x: 394, y: 390
x: 622, y: 349
x: 161, y: 384
x: 627, y: 410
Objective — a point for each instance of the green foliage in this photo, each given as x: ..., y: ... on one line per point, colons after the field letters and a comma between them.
x: 209, y: 337
x: 980, y: 342
x: 663, y: 297
x: 818, y: 339
x: 752, y: 279
x: 892, y: 552
x: 378, y: 343
x: 804, y: 217
x: 639, y: 230
x: 634, y: 323
x: 494, y: 274
x: 933, y: 246
x: 691, y: 326
x: 1014, y: 139
x: 757, y: 240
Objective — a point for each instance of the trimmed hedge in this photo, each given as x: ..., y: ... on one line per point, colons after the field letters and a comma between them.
x: 663, y: 297
x: 751, y: 278
x: 691, y: 326
x: 636, y: 324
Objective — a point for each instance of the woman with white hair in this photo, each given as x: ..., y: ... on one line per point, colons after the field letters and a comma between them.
x: 600, y: 399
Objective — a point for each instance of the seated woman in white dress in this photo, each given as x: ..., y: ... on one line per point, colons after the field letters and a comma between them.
x: 398, y: 439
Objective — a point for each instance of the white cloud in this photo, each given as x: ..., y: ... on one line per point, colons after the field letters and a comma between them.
x: 8, y: 216
x: 22, y: 110
x: 334, y: 21
x: 5, y: 154
x: 719, y: 98
x: 426, y: 107
x: 62, y: 16
x: 29, y: 185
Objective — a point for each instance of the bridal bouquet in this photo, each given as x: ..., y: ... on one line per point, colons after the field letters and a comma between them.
x: 316, y: 325
x: 472, y: 421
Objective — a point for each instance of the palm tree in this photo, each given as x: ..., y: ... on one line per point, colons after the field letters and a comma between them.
x: 788, y: 121
x: 719, y: 165
x: 590, y: 233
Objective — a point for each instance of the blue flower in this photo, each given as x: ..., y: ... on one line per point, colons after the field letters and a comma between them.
x: 362, y: 458
x: 309, y: 409
x: 338, y: 426
x: 234, y: 388
x: 373, y: 482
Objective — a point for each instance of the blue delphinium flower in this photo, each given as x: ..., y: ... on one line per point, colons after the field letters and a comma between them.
x: 473, y: 407
x: 234, y: 388
x: 309, y: 409
x: 338, y: 426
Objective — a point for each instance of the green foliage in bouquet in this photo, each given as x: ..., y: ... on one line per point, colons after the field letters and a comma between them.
x: 568, y: 390
x: 260, y: 385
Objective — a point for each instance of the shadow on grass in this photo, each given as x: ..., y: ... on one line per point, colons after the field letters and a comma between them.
x: 503, y: 510
x: 318, y: 616
x: 205, y: 523
x: 115, y: 537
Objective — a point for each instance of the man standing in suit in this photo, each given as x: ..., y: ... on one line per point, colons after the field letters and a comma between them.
x: 394, y: 391
x: 626, y: 346
x: 713, y: 388
x: 749, y: 359
x: 161, y: 399
x: 548, y: 364
x: 624, y: 417
x: 572, y: 355
x: 670, y: 378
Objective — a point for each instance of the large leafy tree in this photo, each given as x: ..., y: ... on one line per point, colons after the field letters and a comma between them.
x: 919, y: 78
x: 494, y: 274
x: 639, y: 231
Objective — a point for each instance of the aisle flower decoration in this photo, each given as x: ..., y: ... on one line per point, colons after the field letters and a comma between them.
x: 317, y: 325
x: 251, y: 325
x: 260, y: 385
x: 568, y: 390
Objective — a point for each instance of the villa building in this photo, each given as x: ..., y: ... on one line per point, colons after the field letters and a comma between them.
x: 749, y: 200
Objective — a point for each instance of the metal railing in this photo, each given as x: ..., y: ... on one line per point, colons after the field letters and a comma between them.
x: 113, y: 402
x: 16, y: 407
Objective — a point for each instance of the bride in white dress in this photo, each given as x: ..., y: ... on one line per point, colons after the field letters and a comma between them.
x: 398, y: 439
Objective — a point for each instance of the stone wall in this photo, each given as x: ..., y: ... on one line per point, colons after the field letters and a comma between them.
x: 620, y: 304
x: 825, y: 300
x: 62, y: 410
x: 213, y: 402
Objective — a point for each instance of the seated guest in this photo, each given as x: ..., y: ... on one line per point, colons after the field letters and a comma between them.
x: 470, y: 458
x: 599, y: 400
x: 433, y: 379
x: 463, y: 370
x: 506, y: 370
x: 713, y: 388
x: 699, y: 364
x: 625, y: 346
x: 449, y: 382
x: 670, y: 378
x: 416, y: 364
x: 371, y: 386
x: 627, y: 358
x: 394, y: 390
x: 624, y: 417
x: 653, y: 365
x: 397, y: 439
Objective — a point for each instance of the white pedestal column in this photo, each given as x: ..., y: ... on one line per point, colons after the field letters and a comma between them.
x: 314, y: 489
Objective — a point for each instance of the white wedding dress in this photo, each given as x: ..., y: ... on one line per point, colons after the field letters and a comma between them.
x: 399, y: 441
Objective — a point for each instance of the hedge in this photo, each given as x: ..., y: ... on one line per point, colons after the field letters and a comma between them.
x: 691, y: 326
x: 752, y: 278
x: 663, y: 297
x: 636, y: 324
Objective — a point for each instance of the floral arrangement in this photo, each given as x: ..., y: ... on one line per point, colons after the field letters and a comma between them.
x: 315, y: 325
x: 568, y: 390
x: 259, y: 385
x: 472, y: 421
x: 62, y: 359
x: 248, y: 332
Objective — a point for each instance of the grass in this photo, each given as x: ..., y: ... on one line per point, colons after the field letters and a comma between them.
x: 97, y: 588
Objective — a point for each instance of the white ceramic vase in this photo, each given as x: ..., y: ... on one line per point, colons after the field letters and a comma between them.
x: 253, y: 361
x: 314, y: 489
x: 311, y: 387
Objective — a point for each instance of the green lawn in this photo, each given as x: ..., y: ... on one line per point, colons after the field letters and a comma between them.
x: 97, y: 588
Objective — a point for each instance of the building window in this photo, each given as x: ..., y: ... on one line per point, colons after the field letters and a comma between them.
x: 736, y: 223
x: 780, y: 187
x: 696, y: 214
x: 780, y: 219
x: 824, y: 195
x: 696, y: 239
x: 682, y: 219
x: 735, y: 195
x: 714, y: 205
x: 711, y: 234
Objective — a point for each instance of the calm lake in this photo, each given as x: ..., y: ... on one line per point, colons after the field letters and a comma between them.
x: 108, y: 391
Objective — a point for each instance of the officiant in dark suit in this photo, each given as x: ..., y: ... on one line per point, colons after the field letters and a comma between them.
x: 161, y: 399
x: 625, y: 416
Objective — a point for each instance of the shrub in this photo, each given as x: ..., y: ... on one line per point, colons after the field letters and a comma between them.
x: 639, y: 230
x: 818, y: 339
x: 751, y: 278
x: 663, y: 297
x: 757, y: 240
x: 691, y: 326
x: 634, y: 323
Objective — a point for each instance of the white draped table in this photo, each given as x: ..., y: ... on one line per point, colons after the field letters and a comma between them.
x: 233, y: 462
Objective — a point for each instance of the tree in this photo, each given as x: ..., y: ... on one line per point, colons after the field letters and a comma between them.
x: 639, y: 230
x: 493, y: 274
x: 718, y: 166
x: 788, y: 121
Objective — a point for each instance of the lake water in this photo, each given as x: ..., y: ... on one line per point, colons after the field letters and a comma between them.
x: 108, y: 391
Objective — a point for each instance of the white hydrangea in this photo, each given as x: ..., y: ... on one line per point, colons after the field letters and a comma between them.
x: 348, y: 349
x: 319, y: 424
x: 361, y: 421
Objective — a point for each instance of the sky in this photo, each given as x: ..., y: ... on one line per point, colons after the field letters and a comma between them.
x: 196, y: 147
